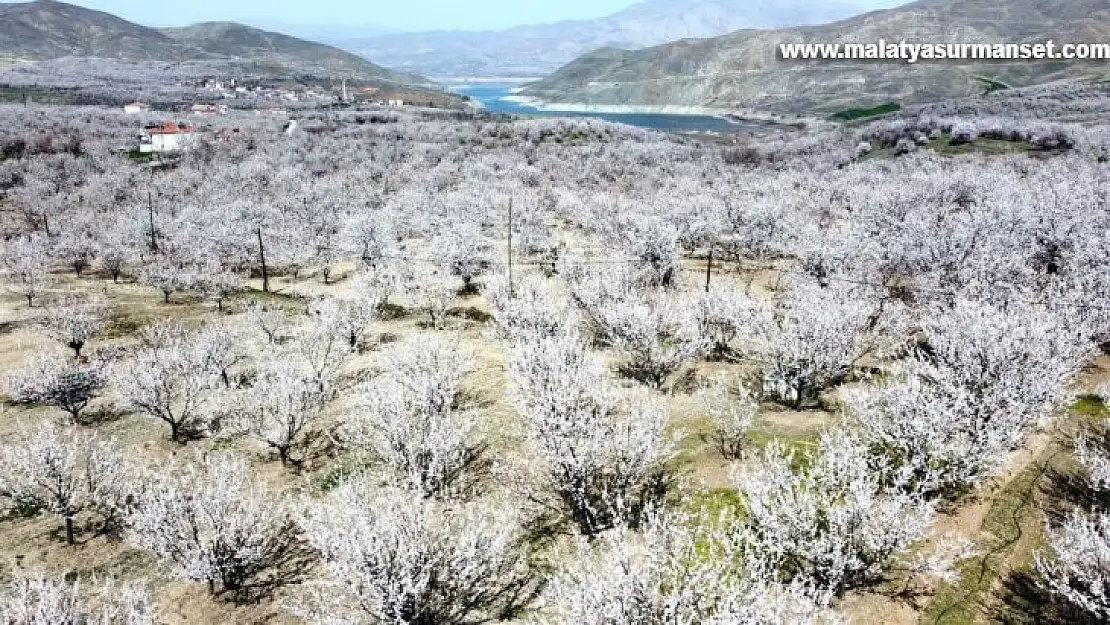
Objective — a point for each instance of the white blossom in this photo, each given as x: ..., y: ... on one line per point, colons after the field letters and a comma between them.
x: 211, y: 521
x: 28, y: 267
x: 415, y: 420
x: 658, y: 332
x: 73, y: 322
x: 1079, y: 568
x: 397, y: 558
x: 39, y: 600
x: 282, y: 408
x: 732, y: 414
x: 56, y: 380
x: 169, y: 379
x: 680, y: 570
x: 839, y: 522
x: 66, y: 473
x: 602, y: 455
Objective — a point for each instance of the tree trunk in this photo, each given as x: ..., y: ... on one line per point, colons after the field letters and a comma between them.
x: 69, y: 530
x: 803, y: 390
x: 709, y: 271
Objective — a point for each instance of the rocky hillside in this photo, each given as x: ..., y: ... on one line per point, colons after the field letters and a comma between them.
x: 744, y: 70
x: 46, y: 29
x: 233, y: 40
x: 539, y: 50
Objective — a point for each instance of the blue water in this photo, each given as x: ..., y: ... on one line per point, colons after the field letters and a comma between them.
x: 491, y: 96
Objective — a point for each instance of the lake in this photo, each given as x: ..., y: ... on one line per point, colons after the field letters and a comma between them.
x: 491, y: 96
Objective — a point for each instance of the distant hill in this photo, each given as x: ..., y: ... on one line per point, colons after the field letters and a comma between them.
x: 233, y: 40
x: 538, y: 50
x: 743, y: 70
x: 47, y: 29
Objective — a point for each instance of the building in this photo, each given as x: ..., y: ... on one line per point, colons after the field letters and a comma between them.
x: 209, y: 110
x: 136, y: 108
x: 229, y: 134
x: 168, y: 137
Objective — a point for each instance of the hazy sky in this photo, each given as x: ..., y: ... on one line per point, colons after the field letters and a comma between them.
x: 394, y: 14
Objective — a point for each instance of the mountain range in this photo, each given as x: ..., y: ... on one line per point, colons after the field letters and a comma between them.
x: 529, y: 51
x: 48, y: 29
x: 744, y: 70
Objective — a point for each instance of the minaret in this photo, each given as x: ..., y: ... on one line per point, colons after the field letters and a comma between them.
x: 344, y: 89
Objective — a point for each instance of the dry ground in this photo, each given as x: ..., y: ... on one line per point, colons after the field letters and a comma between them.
x: 1004, y: 518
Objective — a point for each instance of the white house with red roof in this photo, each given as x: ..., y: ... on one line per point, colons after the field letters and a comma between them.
x: 168, y: 137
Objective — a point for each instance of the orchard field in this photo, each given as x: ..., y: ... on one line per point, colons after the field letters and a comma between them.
x: 433, y: 368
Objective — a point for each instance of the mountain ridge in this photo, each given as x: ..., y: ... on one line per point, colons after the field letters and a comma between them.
x: 45, y: 30
x: 534, y: 50
x: 742, y: 70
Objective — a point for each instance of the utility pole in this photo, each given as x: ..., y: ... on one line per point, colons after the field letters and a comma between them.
x: 150, y: 212
x: 262, y: 257
x: 709, y: 267
x: 512, y: 293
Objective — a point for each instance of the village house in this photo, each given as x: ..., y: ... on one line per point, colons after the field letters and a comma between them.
x: 168, y: 137
x: 136, y: 108
x: 209, y: 110
x: 229, y: 134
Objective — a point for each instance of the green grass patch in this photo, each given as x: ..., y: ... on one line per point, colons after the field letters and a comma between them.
x: 853, y: 114
x: 981, y: 145
x: 138, y: 156
x: 1090, y: 406
x: 991, y: 85
x: 943, y: 146
x: 337, y: 475
x: 19, y: 95
x: 716, y: 501
x: 801, y: 446
x: 120, y: 325
x: 1011, y: 532
x: 274, y: 299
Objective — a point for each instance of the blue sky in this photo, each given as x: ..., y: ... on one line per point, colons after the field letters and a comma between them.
x: 410, y: 15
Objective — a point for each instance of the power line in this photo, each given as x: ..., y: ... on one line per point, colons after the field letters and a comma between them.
x: 739, y: 262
